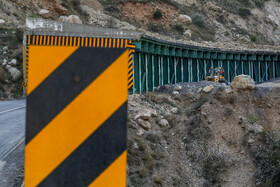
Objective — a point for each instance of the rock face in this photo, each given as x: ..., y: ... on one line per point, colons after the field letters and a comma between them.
x: 208, y: 89
x: 15, y: 73
x: 243, y: 82
x: 70, y: 19
x: 185, y: 19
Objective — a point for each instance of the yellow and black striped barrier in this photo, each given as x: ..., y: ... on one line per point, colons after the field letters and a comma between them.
x: 76, y: 112
x: 43, y: 40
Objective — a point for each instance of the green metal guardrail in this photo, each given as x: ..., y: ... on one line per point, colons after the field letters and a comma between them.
x: 158, y: 62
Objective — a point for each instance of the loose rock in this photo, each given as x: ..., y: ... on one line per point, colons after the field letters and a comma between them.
x: 163, y: 123
x: 70, y: 19
x: 2, y: 21
x: 174, y: 110
x: 243, y: 82
x: 43, y: 12
x: 175, y: 93
x: 177, y: 88
x: 144, y: 124
x: 185, y: 19
x: 15, y: 73
x: 208, y: 89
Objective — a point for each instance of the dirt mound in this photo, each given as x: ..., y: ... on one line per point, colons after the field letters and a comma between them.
x: 221, y: 138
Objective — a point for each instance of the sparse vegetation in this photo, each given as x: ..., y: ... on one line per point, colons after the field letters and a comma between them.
x: 198, y: 19
x: 244, y: 12
x: 157, y: 14
x: 253, y: 38
x: 179, y: 28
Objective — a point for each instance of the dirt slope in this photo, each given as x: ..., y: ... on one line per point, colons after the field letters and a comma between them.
x: 222, y: 138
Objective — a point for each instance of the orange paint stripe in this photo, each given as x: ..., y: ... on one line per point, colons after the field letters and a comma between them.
x: 130, y: 73
x: 71, y: 42
x: 114, y: 175
x: 110, y: 40
x: 45, y: 54
x: 78, y: 41
x: 48, y: 41
x: 49, y: 145
x: 74, y: 42
x: 114, y: 43
x: 118, y: 43
x: 97, y: 42
x: 52, y: 40
x: 82, y: 44
x: 63, y: 41
x: 59, y: 40
x: 121, y: 43
x: 102, y: 40
x: 94, y: 40
x: 37, y: 40
x: 28, y: 40
x: 90, y: 42
x: 44, y: 43
x: 86, y: 42
x: 130, y: 86
x: 67, y: 40
x: 55, y: 40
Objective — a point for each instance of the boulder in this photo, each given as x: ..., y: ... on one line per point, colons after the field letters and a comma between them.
x: 208, y: 89
x: 243, y: 82
x: 15, y: 73
x: 174, y: 110
x: 13, y: 62
x: 177, y: 88
x: 175, y: 93
x: 2, y: 21
x: 144, y: 124
x: 185, y: 19
x: 5, y: 48
x: 70, y: 19
x: 145, y: 115
x: 163, y: 123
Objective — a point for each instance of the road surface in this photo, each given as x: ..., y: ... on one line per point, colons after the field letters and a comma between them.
x: 12, y: 131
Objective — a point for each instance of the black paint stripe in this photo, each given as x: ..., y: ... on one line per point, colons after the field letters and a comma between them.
x: 94, y: 155
x: 60, y: 88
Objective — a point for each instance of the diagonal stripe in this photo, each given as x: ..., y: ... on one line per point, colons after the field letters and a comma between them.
x: 116, y: 172
x: 131, y: 79
x: 60, y: 87
x: 43, y: 61
x: 131, y: 84
x: 77, y: 121
x: 94, y: 155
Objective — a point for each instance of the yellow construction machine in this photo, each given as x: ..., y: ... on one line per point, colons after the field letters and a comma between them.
x: 216, y: 75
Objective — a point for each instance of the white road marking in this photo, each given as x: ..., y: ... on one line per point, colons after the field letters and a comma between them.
x: 12, y: 109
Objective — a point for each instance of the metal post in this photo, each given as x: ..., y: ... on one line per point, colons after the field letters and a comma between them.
x: 197, y: 69
x: 228, y: 71
x: 259, y: 72
x: 140, y: 76
x: 205, y: 71
x: 153, y: 71
x: 161, y: 70
x: 242, y: 68
x: 182, y: 69
x: 175, y: 69
x: 273, y: 69
x: 191, y: 74
x: 146, y: 70
x: 168, y: 64
x: 266, y: 73
x: 235, y: 68
x: 133, y: 61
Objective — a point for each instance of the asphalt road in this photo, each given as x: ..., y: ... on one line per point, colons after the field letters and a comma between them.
x: 12, y: 131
